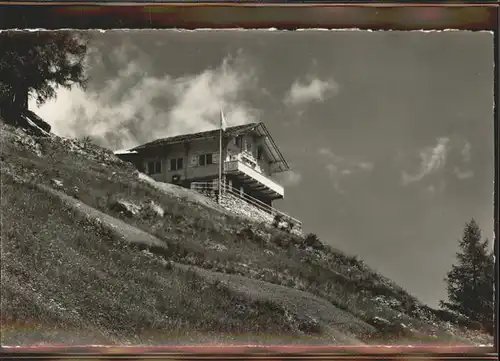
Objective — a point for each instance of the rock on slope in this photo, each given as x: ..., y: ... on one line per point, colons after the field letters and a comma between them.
x: 94, y: 252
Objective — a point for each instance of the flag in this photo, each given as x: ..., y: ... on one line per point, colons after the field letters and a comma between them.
x: 223, y: 124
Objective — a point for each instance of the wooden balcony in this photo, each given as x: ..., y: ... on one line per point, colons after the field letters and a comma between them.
x: 254, y: 179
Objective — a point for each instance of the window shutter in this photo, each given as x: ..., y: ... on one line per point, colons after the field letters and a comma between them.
x: 169, y: 164
x: 215, y: 158
x: 151, y: 167
x: 194, y: 161
x: 202, y: 159
x: 260, y: 152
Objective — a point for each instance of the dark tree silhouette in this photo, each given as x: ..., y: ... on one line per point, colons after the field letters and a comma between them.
x: 36, y: 63
x: 470, y: 282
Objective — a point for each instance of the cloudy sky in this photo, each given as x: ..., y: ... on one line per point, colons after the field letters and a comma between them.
x: 389, y: 134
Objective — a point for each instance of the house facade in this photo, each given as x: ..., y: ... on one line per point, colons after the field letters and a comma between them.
x: 249, y: 154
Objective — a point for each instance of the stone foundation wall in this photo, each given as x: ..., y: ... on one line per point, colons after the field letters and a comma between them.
x: 243, y: 208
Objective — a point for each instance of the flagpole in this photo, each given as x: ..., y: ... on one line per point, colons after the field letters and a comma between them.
x: 220, y: 160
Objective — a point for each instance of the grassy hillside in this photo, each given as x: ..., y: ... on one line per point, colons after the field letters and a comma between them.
x: 94, y: 252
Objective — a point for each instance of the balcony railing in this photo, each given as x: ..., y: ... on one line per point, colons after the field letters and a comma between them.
x: 211, y: 188
x: 239, y: 166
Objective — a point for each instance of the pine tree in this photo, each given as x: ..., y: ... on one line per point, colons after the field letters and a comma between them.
x: 36, y: 63
x: 470, y: 282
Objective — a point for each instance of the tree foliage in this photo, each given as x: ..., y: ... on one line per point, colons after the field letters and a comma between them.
x: 36, y: 63
x: 470, y: 282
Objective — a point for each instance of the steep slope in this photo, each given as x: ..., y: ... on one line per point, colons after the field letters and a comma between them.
x: 94, y: 252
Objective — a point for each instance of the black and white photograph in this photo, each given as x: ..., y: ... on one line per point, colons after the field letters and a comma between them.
x: 316, y: 187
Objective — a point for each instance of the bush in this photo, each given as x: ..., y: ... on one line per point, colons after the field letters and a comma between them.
x: 86, y: 142
x: 246, y: 233
x: 310, y: 326
x: 282, y: 240
x: 278, y: 218
x: 312, y: 240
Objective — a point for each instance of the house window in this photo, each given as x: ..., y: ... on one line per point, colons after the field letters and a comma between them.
x: 260, y: 152
x: 154, y: 167
x: 237, y: 141
x: 176, y: 163
x: 205, y: 159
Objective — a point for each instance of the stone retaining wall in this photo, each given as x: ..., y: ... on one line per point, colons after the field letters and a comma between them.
x: 239, y: 206
x: 243, y: 208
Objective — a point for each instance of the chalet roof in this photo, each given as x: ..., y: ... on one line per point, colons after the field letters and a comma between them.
x: 259, y: 128
x: 125, y: 151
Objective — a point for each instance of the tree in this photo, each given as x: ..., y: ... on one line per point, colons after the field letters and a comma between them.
x: 37, y: 63
x: 470, y: 283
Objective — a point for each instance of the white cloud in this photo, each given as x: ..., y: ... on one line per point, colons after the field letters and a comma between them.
x: 310, y: 90
x: 289, y: 179
x: 435, y: 189
x: 365, y: 166
x: 348, y: 166
x: 334, y: 177
x: 126, y: 112
x: 332, y: 168
x: 329, y: 154
x: 466, y: 152
x: 339, y: 167
x: 463, y: 174
x: 431, y: 160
